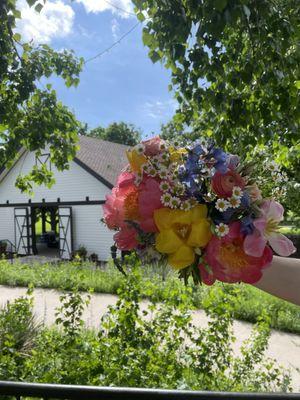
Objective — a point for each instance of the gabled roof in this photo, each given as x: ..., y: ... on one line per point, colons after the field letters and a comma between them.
x: 102, y: 159
x: 105, y: 160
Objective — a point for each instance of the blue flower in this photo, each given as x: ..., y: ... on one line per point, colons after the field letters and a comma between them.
x: 247, y: 226
x: 245, y: 200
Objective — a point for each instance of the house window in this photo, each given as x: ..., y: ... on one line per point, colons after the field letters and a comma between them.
x: 43, y: 159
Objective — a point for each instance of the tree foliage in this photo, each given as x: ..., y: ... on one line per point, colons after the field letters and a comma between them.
x: 118, y: 132
x: 235, y: 65
x: 30, y: 114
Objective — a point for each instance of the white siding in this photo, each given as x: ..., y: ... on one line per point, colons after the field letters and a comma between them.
x: 71, y: 185
x: 7, y: 230
x: 89, y: 231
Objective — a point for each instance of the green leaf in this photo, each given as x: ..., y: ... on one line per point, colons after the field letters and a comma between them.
x: 220, y: 4
x: 154, y: 56
x: 297, y: 84
x: 17, y: 37
x: 38, y: 7
x: 147, y: 38
x: 140, y: 16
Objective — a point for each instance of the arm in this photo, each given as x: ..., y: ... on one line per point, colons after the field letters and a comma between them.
x: 282, y: 279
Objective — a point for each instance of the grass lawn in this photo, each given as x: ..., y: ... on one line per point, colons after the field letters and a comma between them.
x: 252, y: 302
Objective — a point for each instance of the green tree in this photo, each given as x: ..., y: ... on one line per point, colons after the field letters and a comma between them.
x: 234, y: 63
x: 118, y: 132
x: 31, y: 116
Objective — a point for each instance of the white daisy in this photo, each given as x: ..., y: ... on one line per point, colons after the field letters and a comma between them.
x: 139, y: 148
x: 273, y: 166
x: 185, y: 205
x: 237, y: 192
x: 145, y: 167
x: 222, y: 229
x: 152, y: 171
x: 175, y: 202
x: 164, y: 186
x: 222, y: 205
x: 234, y: 202
x: 163, y: 172
x: 166, y: 199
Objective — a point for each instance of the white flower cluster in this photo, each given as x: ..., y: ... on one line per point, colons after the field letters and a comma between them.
x: 233, y: 202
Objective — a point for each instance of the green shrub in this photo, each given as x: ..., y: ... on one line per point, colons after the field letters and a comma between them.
x: 67, y: 275
x: 154, y: 347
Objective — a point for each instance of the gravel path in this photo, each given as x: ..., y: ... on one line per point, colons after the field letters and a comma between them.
x: 284, y: 347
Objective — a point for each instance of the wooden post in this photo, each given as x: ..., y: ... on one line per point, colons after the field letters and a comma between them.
x: 43, y: 215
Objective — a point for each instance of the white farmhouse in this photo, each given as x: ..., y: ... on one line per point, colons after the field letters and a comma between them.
x: 57, y: 221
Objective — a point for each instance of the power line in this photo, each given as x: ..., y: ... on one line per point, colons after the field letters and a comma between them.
x: 113, y: 44
x: 119, y: 8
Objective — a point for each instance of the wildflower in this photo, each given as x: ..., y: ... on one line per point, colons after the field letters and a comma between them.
x: 222, y: 205
x: 234, y: 202
x: 185, y: 205
x: 222, y: 229
x: 273, y: 166
x: 237, y: 192
x: 166, y: 199
x: 139, y: 148
x: 152, y: 171
x: 175, y: 202
x: 164, y: 186
x: 163, y: 172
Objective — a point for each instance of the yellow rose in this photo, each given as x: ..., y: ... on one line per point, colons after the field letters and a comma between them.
x: 180, y: 232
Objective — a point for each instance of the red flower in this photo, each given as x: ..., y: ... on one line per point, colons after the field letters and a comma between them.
x: 222, y: 184
x: 228, y: 261
x: 126, y: 239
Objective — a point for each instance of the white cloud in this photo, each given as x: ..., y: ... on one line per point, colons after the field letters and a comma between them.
x: 54, y: 21
x: 115, y: 27
x: 159, y: 109
x: 122, y: 8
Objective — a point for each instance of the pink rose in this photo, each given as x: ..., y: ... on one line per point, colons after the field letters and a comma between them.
x: 152, y: 146
x: 223, y: 184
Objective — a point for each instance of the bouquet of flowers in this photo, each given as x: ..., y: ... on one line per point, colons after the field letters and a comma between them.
x: 198, y: 208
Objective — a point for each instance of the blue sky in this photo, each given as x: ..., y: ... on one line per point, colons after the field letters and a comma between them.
x: 123, y: 84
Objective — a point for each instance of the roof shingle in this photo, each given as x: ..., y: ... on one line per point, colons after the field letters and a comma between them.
x: 105, y: 159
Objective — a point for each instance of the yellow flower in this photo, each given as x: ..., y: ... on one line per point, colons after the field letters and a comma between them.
x: 180, y: 232
x: 176, y: 154
x: 136, y: 160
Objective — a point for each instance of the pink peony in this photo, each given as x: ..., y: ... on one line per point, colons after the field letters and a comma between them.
x: 119, y: 202
x: 152, y: 146
x: 149, y: 201
x: 113, y: 210
x: 228, y: 261
x: 126, y: 238
x: 223, y: 184
x: 267, y: 232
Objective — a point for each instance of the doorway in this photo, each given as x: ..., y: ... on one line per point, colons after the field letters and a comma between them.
x: 45, y: 231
